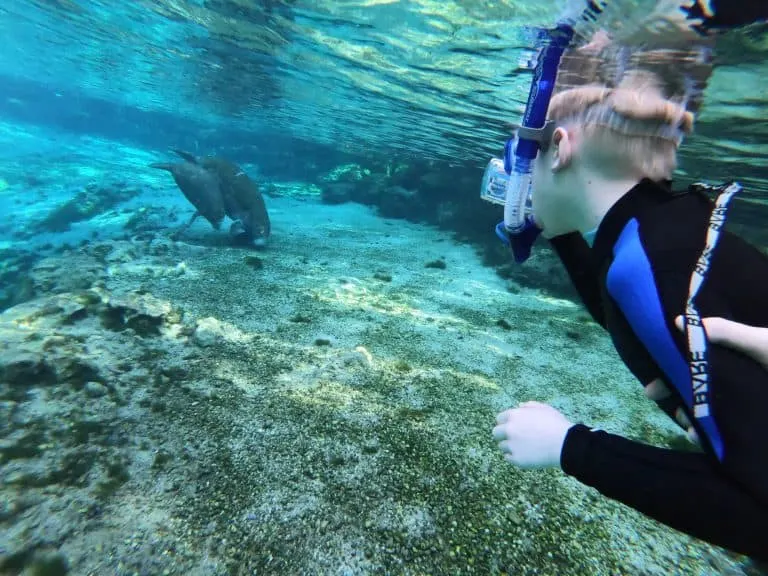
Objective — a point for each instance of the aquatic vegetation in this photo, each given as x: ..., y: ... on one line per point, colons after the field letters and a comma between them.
x: 346, y: 173
x: 438, y: 264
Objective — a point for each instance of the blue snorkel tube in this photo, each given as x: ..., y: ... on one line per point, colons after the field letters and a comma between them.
x: 513, y: 186
x: 509, y: 181
x: 532, y: 130
x: 518, y: 228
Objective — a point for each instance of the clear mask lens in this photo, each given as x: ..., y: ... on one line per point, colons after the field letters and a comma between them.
x: 513, y: 191
x: 495, y: 181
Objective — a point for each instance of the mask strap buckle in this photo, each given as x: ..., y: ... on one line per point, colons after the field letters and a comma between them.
x: 542, y: 136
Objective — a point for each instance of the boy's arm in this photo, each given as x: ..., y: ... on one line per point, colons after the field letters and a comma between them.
x: 650, y: 296
x: 725, y: 503
x: 680, y: 489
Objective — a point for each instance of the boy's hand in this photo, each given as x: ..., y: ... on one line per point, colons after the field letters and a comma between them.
x: 531, y: 435
x: 749, y: 340
x: 657, y: 391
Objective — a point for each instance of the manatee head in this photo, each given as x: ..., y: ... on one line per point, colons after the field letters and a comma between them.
x: 242, y: 235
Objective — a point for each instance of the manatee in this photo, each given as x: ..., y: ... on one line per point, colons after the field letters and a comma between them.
x: 201, y: 187
x: 243, y: 201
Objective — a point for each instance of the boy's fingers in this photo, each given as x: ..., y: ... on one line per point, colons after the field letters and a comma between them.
x: 657, y: 390
x: 682, y: 418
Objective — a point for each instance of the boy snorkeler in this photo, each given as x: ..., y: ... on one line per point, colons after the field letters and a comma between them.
x: 630, y: 245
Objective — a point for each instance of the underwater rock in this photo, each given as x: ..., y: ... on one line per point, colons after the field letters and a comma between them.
x: 136, y: 258
x: 160, y: 247
x: 210, y: 331
x: 398, y: 202
x: 20, y: 368
x: 346, y: 173
x: 74, y: 272
x: 149, y: 219
x: 95, y: 389
x: 353, y: 183
x: 254, y: 262
x: 207, y: 332
x: 143, y: 313
x: 34, y: 562
x: 338, y: 192
x: 438, y: 264
x: 433, y: 180
x: 44, y: 338
x: 15, y: 284
x: 77, y: 371
x: 93, y: 200
x: 70, y: 404
x: 51, y: 564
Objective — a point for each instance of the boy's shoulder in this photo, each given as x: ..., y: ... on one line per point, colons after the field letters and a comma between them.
x: 676, y: 226
x: 674, y: 234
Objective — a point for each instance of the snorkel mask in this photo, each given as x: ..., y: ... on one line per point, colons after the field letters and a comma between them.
x: 509, y: 181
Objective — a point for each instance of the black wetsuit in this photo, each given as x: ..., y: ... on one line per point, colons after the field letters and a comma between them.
x: 634, y: 280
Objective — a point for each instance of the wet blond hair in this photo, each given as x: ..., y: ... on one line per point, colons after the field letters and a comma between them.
x: 633, y: 127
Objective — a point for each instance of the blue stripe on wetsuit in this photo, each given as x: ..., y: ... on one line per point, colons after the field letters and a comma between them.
x: 631, y: 284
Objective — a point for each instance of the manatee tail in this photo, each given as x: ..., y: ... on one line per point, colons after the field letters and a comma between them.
x: 162, y: 166
x: 186, y: 155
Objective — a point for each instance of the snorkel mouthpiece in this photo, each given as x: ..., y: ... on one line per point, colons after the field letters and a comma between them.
x: 533, y: 129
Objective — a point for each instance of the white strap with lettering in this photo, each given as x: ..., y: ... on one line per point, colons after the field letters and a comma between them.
x: 697, y: 339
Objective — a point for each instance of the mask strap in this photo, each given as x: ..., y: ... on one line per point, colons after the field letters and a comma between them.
x: 541, y: 135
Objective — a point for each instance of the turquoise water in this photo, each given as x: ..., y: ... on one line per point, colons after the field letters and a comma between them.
x: 171, y: 403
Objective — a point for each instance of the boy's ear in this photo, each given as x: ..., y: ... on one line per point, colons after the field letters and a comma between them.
x: 562, y: 149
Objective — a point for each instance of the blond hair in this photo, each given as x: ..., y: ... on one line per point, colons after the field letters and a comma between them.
x: 635, y: 128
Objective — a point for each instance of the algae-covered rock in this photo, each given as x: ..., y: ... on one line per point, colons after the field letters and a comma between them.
x: 93, y: 200
x: 23, y: 368
x: 338, y: 192
x: 72, y: 396
x: 346, y: 173
x: 15, y: 284
x: 143, y: 313
x: 210, y: 331
x: 78, y: 271
x: 150, y: 218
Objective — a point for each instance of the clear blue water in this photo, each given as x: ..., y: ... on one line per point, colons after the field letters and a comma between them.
x: 183, y: 406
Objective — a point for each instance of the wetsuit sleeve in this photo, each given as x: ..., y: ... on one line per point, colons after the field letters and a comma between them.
x: 576, y: 256
x: 679, y: 489
x: 725, y: 504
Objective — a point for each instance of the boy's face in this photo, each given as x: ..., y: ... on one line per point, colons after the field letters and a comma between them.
x: 549, y: 191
